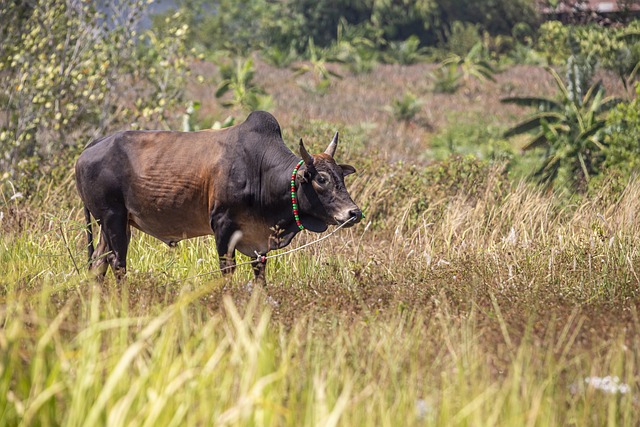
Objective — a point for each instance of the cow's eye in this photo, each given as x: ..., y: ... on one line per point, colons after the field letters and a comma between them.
x: 321, y: 179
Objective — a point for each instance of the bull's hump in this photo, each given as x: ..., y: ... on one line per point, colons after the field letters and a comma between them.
x: 263, y: 122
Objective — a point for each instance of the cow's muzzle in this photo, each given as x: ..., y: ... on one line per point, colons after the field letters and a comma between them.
x: 351, y: 218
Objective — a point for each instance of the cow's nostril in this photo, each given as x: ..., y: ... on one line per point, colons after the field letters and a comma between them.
x: 355, y: 213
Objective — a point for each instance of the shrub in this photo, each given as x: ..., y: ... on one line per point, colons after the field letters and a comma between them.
x: 239, y: 26
x: 70, y: 73
x: 446, y: 78
x: 470, y: 137
x: 405, y: 52
x: 608, y: 45
x: 461, y: 38
x: 357, y: 46
x: 405, y: 108
x: 317, y: 66
x: 623, y: 138
x: 279, y: 57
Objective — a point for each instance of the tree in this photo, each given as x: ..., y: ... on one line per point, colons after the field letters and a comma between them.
x: 69, y: 72
x: 571, y: 130
x: 494, y: 16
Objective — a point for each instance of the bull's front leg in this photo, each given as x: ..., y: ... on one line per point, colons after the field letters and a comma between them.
x: 227, y: 263
x: 259, y: 265
x: 227, y: 237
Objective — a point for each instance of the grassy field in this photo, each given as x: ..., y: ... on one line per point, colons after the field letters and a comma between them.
x: 465, y: 297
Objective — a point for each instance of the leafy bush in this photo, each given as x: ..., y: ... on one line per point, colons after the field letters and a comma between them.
x: 623, y: 139
x: 455, y: 176
x: 607, y: 44
x: 279, y: 57
x: 71, y: 73
x: 238, y: 26
x: 470, y: 136
x: 357, y: 46
x: 161, y: 61
x: 461, y: 38
x: 405, y: 52
x: 405, y: 108
x: 446, y: 78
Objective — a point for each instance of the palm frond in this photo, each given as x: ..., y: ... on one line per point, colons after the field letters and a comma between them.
x: 451, y: 59
x: 544, y: 104
x: 591, y: 131
x: 559, y: 83
x: 548, y: 170
x: 595, y: 91
x: 609, y: 103
x: 223, y: 87
x: 486, y: 71
x: 537, y: 141
x: 533, y: 122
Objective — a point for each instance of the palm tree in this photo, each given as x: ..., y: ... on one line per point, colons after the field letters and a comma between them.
x: 473, y: 64
x: 571, y: 128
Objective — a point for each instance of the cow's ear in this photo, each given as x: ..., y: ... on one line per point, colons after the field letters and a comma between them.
x: 347, y: 170
x: 304, y: 175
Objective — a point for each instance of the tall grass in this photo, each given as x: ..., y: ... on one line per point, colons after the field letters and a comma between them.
x: 461, y: 300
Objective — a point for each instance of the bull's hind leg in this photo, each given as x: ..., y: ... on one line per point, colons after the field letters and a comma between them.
x: 98, y: 263
x: 118, y: 234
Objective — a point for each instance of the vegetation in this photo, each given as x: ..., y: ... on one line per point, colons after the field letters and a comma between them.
x: 405, y: 108
x: 317, y: 66
x: 471, y: 295
x: 446, y: 78
x: 606, y: 44
x: 65, y: 69
x: 623, y: 150
x: 248, y: 25
x: 473, y: 65
x: 482, y: 293
x: 571, y: 130
x: 237, y: 77
x: 405, y: 52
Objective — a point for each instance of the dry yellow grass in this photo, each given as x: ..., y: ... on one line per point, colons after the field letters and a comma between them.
x: 462, y: 299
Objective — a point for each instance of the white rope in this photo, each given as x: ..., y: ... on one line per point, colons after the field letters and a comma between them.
x: 258, y: 256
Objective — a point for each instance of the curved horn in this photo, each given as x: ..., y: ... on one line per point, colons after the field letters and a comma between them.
x: 331, y: 149
x: 308, y: 159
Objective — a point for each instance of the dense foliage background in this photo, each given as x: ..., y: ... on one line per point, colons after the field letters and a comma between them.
x: 494, y: 280
x: 72, y: 70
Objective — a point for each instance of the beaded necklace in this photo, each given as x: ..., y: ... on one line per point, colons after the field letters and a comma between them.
x: 294, y: 200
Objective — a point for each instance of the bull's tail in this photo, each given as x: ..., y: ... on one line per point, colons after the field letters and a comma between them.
x: 87, y: 217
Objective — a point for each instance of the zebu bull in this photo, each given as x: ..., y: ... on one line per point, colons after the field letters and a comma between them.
x: 241, y: 184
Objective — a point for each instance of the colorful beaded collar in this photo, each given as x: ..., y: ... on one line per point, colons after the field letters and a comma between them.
x: 294, y: 200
